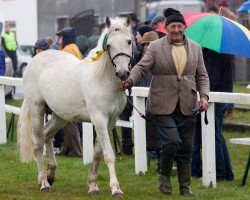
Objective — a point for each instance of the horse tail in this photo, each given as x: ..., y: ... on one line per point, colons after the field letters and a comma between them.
x: 24, y: 133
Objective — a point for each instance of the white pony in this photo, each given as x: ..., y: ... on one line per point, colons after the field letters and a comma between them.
x: 76, y: 91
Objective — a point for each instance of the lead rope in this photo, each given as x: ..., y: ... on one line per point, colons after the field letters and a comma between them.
x: 196, y: 111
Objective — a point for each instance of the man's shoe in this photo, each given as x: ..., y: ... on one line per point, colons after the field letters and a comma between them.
x: 187, y: 192
x: 165, y: 189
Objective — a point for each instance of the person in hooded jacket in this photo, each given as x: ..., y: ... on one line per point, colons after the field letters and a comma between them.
x: 72, y: 145
x: 83, y: 45
x: 40, y: 45
x: 67, y: 41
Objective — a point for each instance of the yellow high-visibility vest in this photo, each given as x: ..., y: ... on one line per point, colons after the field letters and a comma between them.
x: 10, y: 41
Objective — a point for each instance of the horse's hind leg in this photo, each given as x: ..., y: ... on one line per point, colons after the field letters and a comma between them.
x: 37, y: 110
x: 50, y: 129
x: 109, y: 156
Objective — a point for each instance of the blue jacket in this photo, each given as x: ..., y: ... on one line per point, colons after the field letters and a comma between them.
x: 2, y: 63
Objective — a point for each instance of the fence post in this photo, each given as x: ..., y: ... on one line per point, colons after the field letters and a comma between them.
x: 3, y: 136
x: 87, y: 143
x: 208, y: 148
x: 140, y: 136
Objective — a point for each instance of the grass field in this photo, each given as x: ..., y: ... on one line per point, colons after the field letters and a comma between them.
x: 19, y: 181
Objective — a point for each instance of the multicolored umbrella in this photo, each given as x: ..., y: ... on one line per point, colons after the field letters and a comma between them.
x: 218, y: 33
x: 245, y: 7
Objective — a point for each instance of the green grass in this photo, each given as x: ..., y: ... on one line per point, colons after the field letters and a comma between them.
x: 241, y: 88
x: 19, y: 181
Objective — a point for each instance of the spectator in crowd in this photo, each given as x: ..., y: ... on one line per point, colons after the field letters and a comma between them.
x: 134, y: 23
x: 49, y: 40
x: 40, y: 45
x: 10, y: 45
x: 93, y: 39
x: 152, y: 133
x: 149, y: 18
x: 83, y: 45
x: 220, y: 72
x: 127, y: 142
x: 71, y: 144
x: 2, y: 63
x: 156, y: 22
x: 213, y: 9
x: 178, y: 69
x: 139, y: 48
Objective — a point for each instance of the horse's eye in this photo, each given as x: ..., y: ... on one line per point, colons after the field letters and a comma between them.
x: 117, y: 29
x: 129, y: 42
x: 108, y: 46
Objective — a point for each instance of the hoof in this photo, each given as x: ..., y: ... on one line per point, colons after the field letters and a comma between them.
x: 45, y: 189
x: 94, y: 192
x: 118, y: 194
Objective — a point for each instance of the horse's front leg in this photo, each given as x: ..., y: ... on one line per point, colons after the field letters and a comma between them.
x: 93, y: 187
x: 109, y: 158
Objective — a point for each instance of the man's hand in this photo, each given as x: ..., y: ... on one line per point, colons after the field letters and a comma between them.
x: 203, y: 104
x: 124, y: 85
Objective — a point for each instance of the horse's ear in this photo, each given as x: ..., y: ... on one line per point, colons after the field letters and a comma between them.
x: 108, y: 22
x: 128, y: 21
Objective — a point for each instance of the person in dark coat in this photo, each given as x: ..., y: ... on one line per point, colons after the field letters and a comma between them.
x: 83, y: 45
x: 220, y: 72
x: 40, y: 45
x: 2, y: 63
x: 127, y: 142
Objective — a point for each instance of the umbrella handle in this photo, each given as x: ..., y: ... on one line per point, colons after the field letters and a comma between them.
x: 220, y: 10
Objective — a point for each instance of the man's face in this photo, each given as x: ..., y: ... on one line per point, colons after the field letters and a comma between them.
x: 138, y: 38
x: 175, y: 31
x: 7, y: 27
x: 60, y: 38
x: 38, y: 50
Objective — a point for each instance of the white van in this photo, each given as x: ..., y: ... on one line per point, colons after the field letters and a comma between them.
x: 158, y: 7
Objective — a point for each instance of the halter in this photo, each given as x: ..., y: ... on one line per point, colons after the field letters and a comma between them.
x: 105, y: 47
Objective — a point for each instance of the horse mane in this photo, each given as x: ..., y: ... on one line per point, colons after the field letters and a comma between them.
x: 103, y: 62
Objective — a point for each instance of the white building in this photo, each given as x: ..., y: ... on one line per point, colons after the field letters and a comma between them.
x: 32, y: 19
x: 23, y: 17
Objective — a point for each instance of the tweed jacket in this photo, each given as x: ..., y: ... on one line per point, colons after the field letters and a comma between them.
x: 167, y: 87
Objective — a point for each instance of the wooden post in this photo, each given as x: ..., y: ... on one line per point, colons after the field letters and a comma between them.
x: 3, y: 136
x: 208, y: 148
x: 140, y: 136
x: 87, y: 142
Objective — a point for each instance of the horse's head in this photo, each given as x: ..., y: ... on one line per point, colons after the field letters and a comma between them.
x: 119, y: 44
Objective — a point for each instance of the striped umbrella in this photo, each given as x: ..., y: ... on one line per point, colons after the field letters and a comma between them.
x: 244, y: 8
x: 218, y: 33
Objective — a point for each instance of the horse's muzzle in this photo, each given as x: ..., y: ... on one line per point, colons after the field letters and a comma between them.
x: 123, y: 75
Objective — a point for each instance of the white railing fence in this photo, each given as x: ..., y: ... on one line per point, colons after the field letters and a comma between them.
x: 139, y: 94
